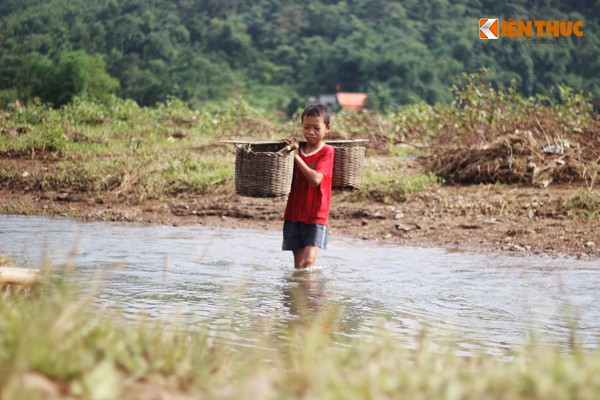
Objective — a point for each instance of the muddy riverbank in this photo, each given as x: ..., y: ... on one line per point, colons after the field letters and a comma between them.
x: 496, y: 218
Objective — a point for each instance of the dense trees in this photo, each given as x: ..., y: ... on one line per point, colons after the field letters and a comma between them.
x: 76, y: 73
x: 274, y: 50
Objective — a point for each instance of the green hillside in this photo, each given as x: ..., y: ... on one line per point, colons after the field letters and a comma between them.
x: 271, y: 51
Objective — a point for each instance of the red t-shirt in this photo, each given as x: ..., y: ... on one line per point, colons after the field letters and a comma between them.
x: 306, y: 203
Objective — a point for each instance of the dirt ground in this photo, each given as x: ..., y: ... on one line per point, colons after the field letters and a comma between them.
x: 514, y: 220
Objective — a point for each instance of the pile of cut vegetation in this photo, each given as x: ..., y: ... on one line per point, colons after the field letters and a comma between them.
x: 520, y: 157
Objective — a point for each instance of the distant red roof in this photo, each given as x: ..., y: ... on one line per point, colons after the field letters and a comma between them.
x: 351, y: 101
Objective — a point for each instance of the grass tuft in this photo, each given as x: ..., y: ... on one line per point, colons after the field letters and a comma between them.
x: 585, y: 202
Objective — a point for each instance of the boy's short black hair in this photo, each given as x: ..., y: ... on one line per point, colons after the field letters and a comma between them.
x: 317, y: 110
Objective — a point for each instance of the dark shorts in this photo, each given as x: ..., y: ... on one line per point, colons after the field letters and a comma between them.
x: 297, y: 235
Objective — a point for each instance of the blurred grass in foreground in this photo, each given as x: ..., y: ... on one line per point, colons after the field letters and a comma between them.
x: 55, y: 344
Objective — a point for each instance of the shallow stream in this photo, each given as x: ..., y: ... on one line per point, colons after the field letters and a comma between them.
x: 239, y: 283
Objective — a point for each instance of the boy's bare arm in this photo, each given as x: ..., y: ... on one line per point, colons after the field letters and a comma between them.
x: 313, y: 177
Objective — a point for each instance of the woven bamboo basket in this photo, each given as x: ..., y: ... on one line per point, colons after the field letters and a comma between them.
x: 260, y: 171
x: 348, y: 167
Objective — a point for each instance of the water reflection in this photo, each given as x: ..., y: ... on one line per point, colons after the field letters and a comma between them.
x: 305, y: 296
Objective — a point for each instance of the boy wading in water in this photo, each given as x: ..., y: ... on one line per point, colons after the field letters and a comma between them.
x: 307, y: 210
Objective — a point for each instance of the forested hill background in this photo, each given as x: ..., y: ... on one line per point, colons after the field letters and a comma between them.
x: 270, y: 51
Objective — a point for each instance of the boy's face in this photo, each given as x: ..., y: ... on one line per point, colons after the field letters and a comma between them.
x: 314, y: 129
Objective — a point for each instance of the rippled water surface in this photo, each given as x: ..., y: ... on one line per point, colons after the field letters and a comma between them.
x: 238, y: 281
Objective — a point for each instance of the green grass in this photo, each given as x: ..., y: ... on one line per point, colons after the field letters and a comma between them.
x: 122, y: 148
x: 584, y: 202
x: 55, y: 334
x: 184, y: 173
x: 389, y: 180
x: 126, y: 149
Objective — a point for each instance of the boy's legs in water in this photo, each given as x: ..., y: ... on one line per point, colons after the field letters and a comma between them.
x: 305, y: 257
